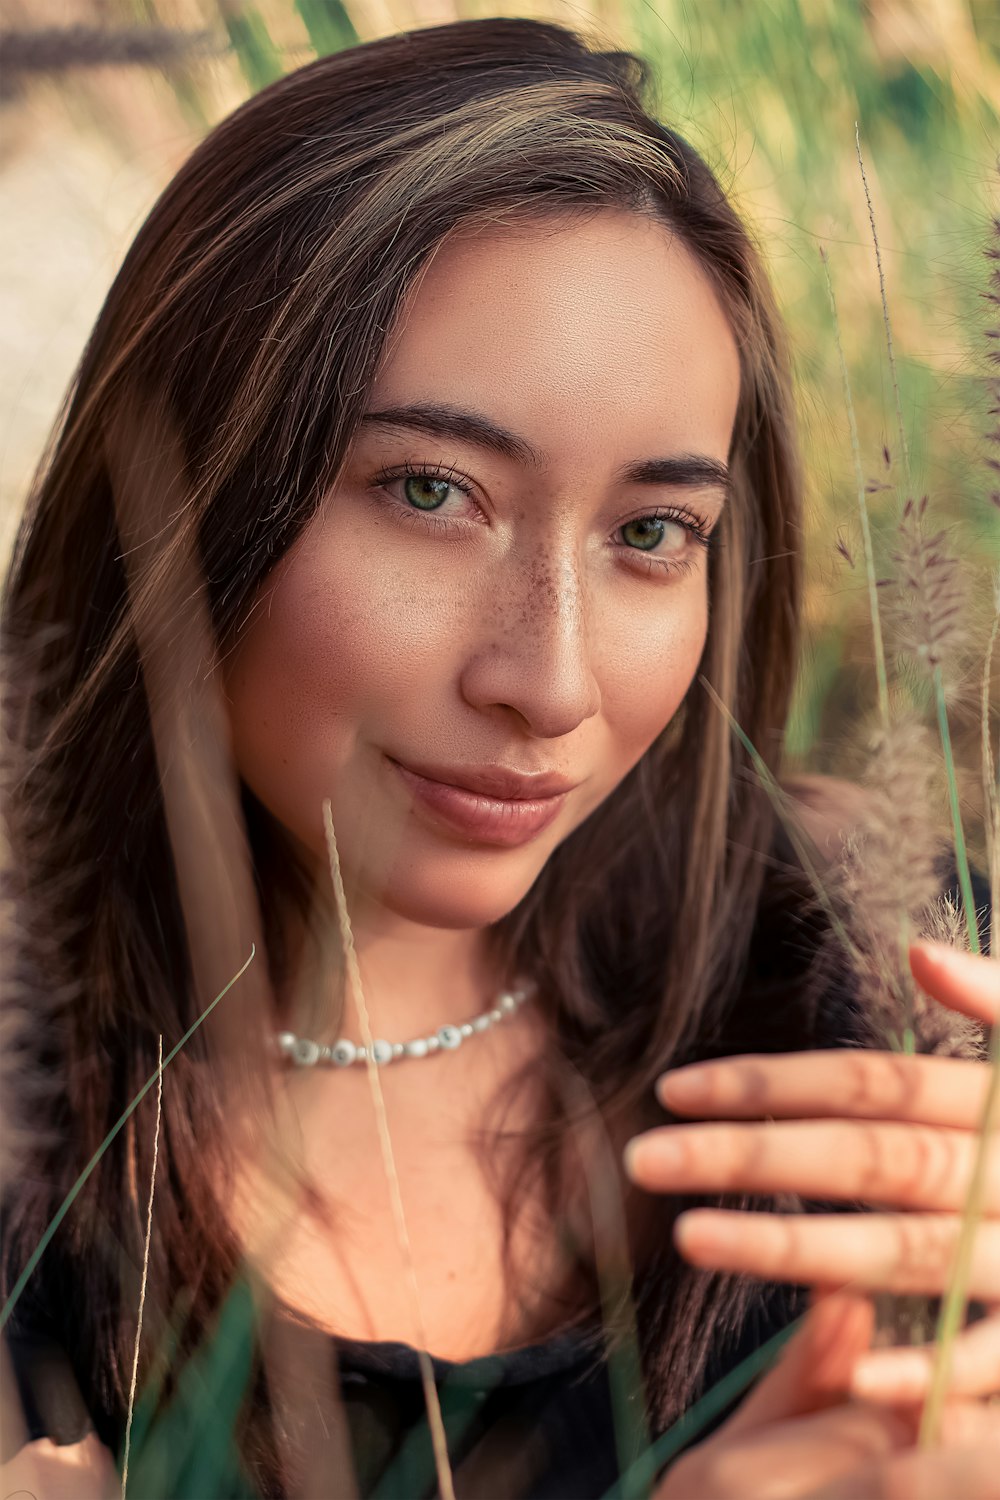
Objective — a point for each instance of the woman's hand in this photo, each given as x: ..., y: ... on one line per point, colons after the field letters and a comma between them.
x: 899, y: 1132
x: 795, y: 1438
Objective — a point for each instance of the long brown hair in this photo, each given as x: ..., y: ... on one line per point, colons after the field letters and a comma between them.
x: 247, y: 323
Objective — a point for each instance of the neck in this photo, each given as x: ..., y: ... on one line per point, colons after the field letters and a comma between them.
x: 413, y: 979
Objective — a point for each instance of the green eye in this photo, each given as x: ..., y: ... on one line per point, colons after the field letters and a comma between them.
x: 647, y: 532
x: 425, y: 492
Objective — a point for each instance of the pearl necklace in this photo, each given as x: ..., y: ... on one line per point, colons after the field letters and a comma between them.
x: 341, y: 1054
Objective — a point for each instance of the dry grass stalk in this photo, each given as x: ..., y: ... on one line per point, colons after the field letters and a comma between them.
x: 885, y: 312
x: 145, y: 1266
x: 435, y: 1421
x: 863, y: 491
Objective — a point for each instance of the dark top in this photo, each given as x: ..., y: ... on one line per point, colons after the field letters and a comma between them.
x: 537, y: 1423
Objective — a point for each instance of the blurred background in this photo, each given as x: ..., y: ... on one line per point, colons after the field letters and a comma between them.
x: 101, y: 100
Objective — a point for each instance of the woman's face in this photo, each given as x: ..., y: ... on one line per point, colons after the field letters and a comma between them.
x: 516, y: 579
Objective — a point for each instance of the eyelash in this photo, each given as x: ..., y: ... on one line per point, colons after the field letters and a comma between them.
x: 691, y: 523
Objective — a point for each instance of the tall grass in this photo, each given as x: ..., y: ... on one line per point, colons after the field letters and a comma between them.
x: 732, y: 77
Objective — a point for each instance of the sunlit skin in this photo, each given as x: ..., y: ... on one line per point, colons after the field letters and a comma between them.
x: 517, y: 624
x: 536, y: 630
x: 897, y: 1132
x: 525, y: 635
x: 529, y: 633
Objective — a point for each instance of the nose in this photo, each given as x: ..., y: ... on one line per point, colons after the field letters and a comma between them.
x: 532, y: 651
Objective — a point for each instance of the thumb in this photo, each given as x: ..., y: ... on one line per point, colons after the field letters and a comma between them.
x: 814, y: 1368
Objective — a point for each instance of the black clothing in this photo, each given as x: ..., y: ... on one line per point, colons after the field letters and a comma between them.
x: 533, y: 1424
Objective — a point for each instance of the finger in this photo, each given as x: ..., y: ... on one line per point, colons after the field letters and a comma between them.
x: 787, y: 1457
x: 966, y: 982
x: 898, y: 1166
x: 904, y: 1253
x: 905, y: 1374
x: 842, y: 1081
x: 920, y: 1474
x: 813, y: 1369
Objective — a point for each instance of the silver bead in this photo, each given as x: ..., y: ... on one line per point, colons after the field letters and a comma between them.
x: 306, y: 1053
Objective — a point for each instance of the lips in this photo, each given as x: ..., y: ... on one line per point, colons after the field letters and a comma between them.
x: 500, y: 782
x: 477, y: 813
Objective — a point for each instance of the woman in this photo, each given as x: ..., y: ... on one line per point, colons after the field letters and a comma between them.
x: 434, y: 443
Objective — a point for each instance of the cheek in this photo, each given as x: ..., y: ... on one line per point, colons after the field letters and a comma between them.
x: 649, y: 667
x: 339, y: 648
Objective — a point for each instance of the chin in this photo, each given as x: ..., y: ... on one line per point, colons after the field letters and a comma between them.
x: 472, y: 900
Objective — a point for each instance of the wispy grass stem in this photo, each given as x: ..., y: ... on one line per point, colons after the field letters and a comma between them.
x: 904, y: 450
x: 145, y: 1267
x: 438, y: 1436
x: 779, y: 801
x: 880, y: 671
x: 961, y: 854
x: 74, y: 1191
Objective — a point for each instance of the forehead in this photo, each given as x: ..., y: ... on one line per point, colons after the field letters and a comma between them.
x: 594, y: 332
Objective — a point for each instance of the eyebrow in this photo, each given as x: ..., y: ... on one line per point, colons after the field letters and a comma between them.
x: 684, y: 470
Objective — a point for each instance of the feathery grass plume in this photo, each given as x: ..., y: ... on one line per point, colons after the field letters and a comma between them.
x: 992, y: 294
x: 887, y: 875
x: 991, y: 784
x: 926, y: 598
x: 886, y: 885
x: 929, y: 612
x: 945, y: 1032
x: 435, y: 1421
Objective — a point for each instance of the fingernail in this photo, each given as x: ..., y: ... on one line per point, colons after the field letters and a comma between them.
x: 690, y: 1085
x: 890, y: 1375
x: 632, y: 1157
x: 944, y: 953
x: 654, y: 1152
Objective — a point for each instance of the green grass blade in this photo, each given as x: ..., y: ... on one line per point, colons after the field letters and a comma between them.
x: 74, y: 1191
x: 961, y: 855
x: 329, y: 26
